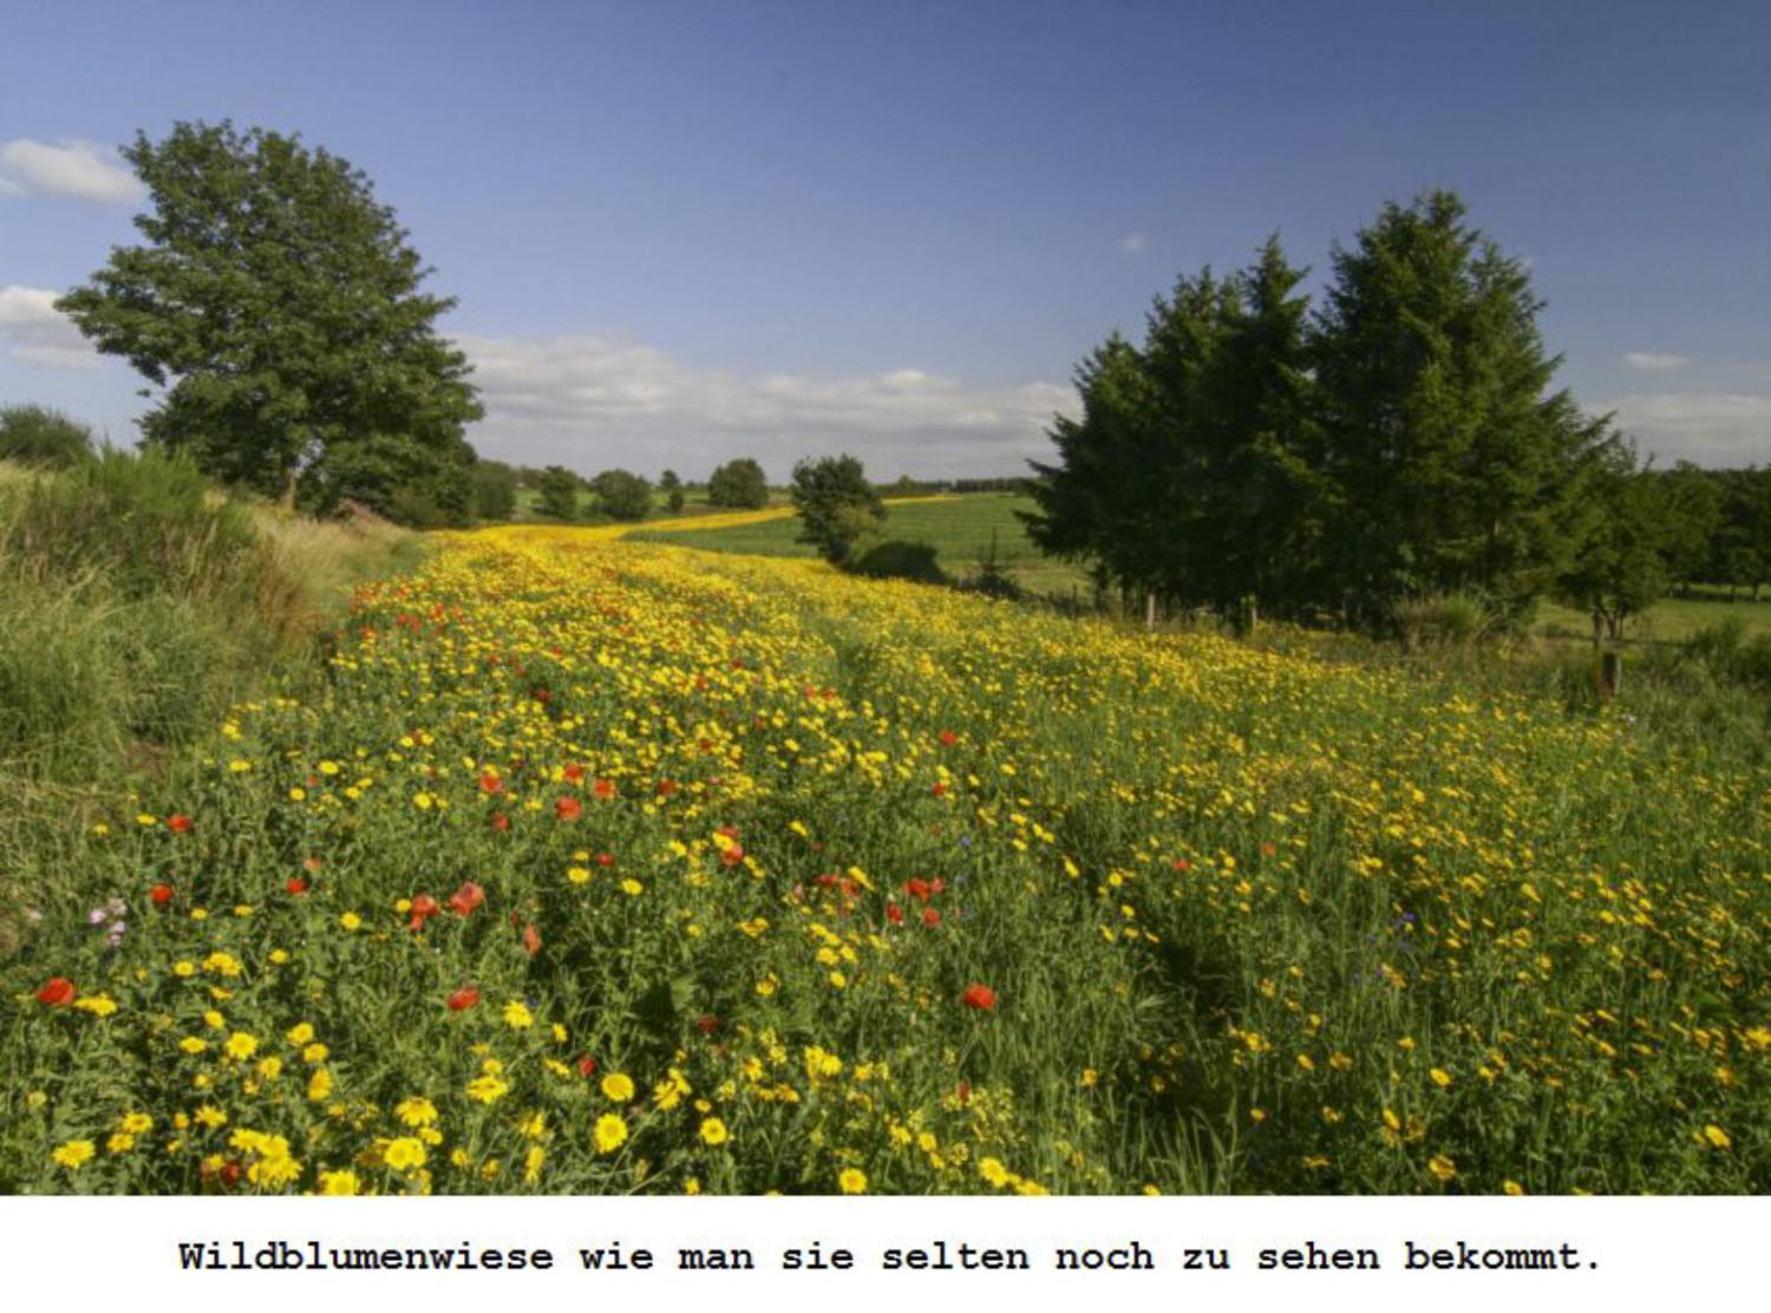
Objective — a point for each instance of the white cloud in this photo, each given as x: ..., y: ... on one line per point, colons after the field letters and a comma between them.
x: 1710, y: 428
x: 1654, y: 361
x: 83, y: 169
x: 34, y: 330
x: 593, y: 402
x: 1132, y: 243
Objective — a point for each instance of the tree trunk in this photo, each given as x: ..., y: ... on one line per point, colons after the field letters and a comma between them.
x: 1149, y: 610
x: 287, y: 501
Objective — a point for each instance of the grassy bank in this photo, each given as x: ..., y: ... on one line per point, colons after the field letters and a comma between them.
x: 136, y: 606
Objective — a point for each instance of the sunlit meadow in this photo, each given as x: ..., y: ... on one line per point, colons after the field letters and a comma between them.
x: 596, y: 866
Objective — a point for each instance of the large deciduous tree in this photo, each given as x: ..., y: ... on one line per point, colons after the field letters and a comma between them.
x: 276, y: 308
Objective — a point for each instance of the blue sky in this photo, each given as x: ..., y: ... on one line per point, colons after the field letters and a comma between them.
x: 682, y: 232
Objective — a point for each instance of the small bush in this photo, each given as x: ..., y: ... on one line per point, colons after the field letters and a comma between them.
x: 1446, y: 620
x: 36, y: 435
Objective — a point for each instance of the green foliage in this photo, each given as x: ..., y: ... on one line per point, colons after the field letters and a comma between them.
x: 1400, y: 444
x: 738, y: 485
x: 1619, y: 569
x: 396, y: 477
x: 622, y: 496
x: 277, y: 305
x: 133, y: 604
x: 147, y: 522
x: 837, y: 507
x: 558, y: 488
x: 494, y: 490
x: 37, y: 435
x: 672, y: 488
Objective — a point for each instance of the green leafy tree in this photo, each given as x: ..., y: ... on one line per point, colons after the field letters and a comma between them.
x: 1619, y: 569
x: 558, y: 493
x: 671, y: 485
x: 739, y: 484
x: 1692, y: 502
x: 838, y: 508
x: 1456, y: 467
x: 622, y: 495
x: 494, y: 490
x: 276, y: 307
x: 37, y: 435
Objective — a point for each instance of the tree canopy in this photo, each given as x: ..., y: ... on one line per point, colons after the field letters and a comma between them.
x: 739, y: 484
x: 275, y: 308
x: 837, y: 506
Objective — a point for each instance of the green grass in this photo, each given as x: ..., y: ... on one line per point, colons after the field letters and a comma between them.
x: 959, y: 529
x: 1671, y: 620
x: 136, y: 606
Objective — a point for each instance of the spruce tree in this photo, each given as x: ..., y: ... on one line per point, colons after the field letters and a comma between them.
x: 1456, y: 468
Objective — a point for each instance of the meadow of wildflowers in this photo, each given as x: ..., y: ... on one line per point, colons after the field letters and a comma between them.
x: 595, y: 866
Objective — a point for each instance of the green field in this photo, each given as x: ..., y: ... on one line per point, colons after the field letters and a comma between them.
x: 959, y: 529
x: 1671, y: 620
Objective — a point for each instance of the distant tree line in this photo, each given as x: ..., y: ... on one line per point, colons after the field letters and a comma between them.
x: 1398, y: 441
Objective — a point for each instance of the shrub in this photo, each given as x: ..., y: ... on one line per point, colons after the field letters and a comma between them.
x: 36, y: 435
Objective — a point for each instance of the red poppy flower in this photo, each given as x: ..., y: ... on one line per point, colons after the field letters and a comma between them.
x: 568, y: 809
x: 894, y: 914
x: 573, y: 772
x: 587, y: 1066
x: 918, y: 889
x: 1267, y: 850
x: 666, y: 788
x: 463, y: 999
x: 295, y: 885
x: 466, y: 898
x: 980, y: 998
x: 948, y: 738
x: 531, y: 940
x: 179, y: 823
x: 707, y: 1024
x: 161, y: 894
x: 1182, y: 864
x: 312, y: 863
x: 423, y: 908
x: 491, y: 784
x: 500, y: 822
x: 732, y: 854
x: 56, y: 992
x: 930, y: 917
x: 940, y: 789
x: 605, y: 788
x: 605, y: 859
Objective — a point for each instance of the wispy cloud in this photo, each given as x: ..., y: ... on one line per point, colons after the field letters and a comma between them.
x: 592, y: 402
x: 1710, y: 428
x: 33, y: 330
x: 1654, y: 361
x: 87, y: 170
x: 1132, y: 243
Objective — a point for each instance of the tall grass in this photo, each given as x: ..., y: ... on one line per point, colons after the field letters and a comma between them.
x: 136, y: 604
